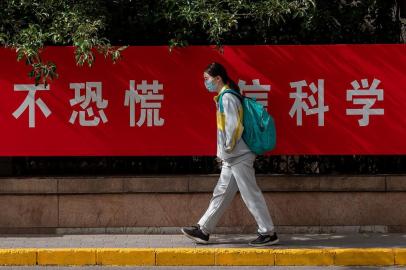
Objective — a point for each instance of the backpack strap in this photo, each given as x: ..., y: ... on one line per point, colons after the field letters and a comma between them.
x: 235, y: 93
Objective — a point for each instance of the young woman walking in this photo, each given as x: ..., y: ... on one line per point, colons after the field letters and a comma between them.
x: 237, y: 172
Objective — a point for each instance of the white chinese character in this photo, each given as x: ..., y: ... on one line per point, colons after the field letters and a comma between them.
x: 30, y: 102
x: 147, y: 95
x: 131, y: 97
x: 300, y: 104
x: 256, y: 91
x: 93, y: 94
x: 366, y: 110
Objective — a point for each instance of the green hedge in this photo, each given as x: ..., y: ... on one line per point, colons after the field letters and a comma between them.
x: 29, y: 25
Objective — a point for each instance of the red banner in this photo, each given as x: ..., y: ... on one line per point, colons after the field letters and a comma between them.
x: 336, y: 99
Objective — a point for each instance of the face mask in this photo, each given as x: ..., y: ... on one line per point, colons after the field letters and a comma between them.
x: 210, y: 85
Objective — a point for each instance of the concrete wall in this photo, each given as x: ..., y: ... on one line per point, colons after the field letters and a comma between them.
x: 161, y: 204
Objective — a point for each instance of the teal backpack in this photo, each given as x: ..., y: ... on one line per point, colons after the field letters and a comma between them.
x: 259, y: 127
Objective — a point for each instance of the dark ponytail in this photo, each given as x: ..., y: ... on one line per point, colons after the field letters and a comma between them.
x: 216, y: 69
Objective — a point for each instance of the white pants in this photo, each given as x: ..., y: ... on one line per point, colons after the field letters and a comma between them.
x: 240, y: 176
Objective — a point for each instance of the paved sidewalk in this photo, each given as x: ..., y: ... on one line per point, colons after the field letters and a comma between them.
x: 223, y: 250
x: 296, y: 241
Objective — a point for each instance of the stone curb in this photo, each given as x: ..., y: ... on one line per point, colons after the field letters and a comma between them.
x: 203, y: 257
